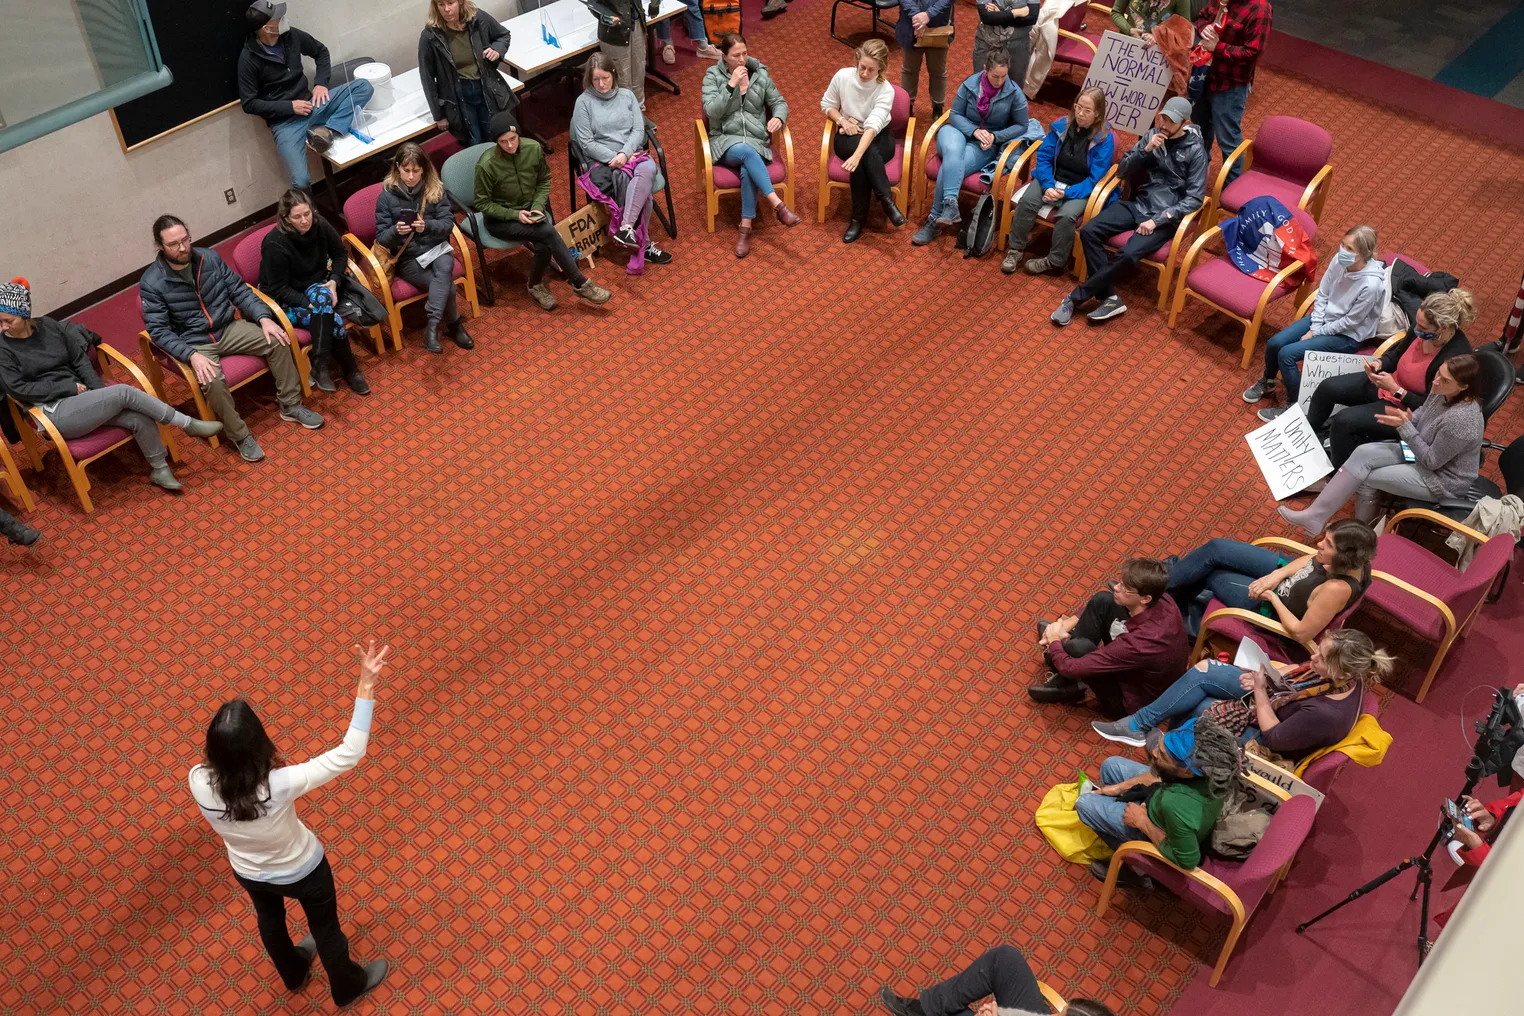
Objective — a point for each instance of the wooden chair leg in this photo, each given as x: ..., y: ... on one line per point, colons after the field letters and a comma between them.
x: 81, y: 483
x: 469, y: 292
x: 13, y: 478
x: 167, y: 435
x: 1251, y: 336
x: 1109, y: 888
x: 1178, y: 302
x: 396, y: 326
x: 204, y: 412
x: 711, y: 205
x: 1439, y: 659
x: 1164, y: 280
x: 1227, y: 950
x: 823, y: 200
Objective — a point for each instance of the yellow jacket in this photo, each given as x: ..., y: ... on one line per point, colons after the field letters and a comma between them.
x: 1365, y: 744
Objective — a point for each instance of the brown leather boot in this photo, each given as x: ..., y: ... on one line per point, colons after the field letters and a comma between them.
x: 743, y: 242
x: 787, y: 216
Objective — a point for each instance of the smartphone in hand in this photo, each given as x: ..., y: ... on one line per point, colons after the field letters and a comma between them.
x: 1458, y: 815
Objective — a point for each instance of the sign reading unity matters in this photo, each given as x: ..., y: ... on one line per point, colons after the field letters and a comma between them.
x: 1289, y: 453
x: 1135, y: 77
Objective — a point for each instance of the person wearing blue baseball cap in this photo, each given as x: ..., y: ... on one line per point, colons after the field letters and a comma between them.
x: 1173, y: 802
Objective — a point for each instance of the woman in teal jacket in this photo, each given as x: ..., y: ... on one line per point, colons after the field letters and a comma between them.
x: 1075, y: 154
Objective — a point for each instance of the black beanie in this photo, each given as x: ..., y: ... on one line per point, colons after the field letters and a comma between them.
x: 502, y: 123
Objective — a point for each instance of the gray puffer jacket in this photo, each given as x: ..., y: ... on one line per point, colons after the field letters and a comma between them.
x: 181, y: 316
x: 736, y: 119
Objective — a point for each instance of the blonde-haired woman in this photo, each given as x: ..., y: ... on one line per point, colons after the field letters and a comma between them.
x: 1345, y: 313
x: 859, y: 101
x: 413, y: 216
x: 458, y: 56
x: 1316, y: 708
x: 1403, y: 377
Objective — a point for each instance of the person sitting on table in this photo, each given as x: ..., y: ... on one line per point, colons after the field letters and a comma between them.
x: 301, y: 266
x: 622, y: 40
x: 1317, y: 707
x: 512, y: 191
x: 698, y: 32
x: 272, y: 84
x: 1402, y: 377
x: 1006, y: 25
x: 1167, y: 169
x: 1002, y: 972
x: 45, y: 364
x: 1345, y: 312
x: 744, y: 109
x: 1173, y: 802
x: 1074, y: 155
x: 1438, y: 454
x: 413, y: 217
x: 1303, y: 594
x: 859, y: 102
x: 188, y: 297
x: 989, y: 112
x: 1127, y: 645
x: 611, y: 132
x: 459, y: 53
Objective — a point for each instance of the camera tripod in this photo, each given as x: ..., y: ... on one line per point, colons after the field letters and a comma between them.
x: 1475, y: 770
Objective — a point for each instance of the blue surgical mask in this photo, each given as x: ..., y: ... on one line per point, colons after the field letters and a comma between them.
x: 1343, y: 258
x: 1426, y: 336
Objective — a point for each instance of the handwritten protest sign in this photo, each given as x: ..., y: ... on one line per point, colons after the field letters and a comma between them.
x: 585, y: 229
x: 1318, y: 367
x: 1288, y: 453
x: 1135, y: 77
x: 1285, y: 781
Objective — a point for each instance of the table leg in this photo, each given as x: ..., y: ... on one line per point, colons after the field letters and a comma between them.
x: 333, y: 191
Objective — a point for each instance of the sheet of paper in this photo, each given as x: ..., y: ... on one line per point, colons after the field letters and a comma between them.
x: 1251, y: 657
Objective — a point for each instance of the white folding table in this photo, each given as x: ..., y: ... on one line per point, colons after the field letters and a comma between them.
x: 576, y: 32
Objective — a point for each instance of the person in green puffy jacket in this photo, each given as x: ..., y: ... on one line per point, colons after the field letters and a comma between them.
x: 744, y: 108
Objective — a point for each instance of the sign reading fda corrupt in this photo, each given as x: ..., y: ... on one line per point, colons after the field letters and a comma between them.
x: 1135, y: 77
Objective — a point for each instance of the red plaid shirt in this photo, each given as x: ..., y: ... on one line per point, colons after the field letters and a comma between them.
x: 1239, y: 42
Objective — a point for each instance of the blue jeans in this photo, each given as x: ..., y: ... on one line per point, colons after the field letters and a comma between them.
x: 693, y: 21
x: 1104, y: 813
x: 337, y: 114
x: 1220, y: 115
x: 1220, y: 568
x: 960, y: 157
x: 1190, y: 696
x: 473, y: 110
x: 753, y: 171
x: 1291, y: 343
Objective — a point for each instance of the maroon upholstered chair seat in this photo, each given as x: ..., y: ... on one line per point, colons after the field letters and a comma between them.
x: 97, y: 441
x: 726, y: 178
x: 1412, y: 563
x: 1220, y: 281
x: 239, y: 367
x: 1068, y: 50
x: 838, y: 173
x: 405, y: 290
x: 1253, y: 184
x: 972, y: 183
x: 1161, y: 255
x: 1321, y: 773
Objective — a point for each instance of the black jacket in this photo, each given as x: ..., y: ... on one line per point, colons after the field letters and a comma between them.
x: 438, y: 221
x: 267, y: 87
x: 631, y: 15
x: 1409, y: 288
x: 180, y: 316
x: 290, y: 262
x: 441, y: 83
x: 51, y: 365
x: 1170, y: 182
x: 1457, y: 345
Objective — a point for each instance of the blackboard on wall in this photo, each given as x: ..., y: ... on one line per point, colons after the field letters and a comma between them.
x: 199, y: 41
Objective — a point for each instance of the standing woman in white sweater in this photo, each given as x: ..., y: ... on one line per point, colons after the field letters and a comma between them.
x: 252, y: 806
x: 859, y: 101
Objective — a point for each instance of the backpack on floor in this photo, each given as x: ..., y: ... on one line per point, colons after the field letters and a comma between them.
x: 977, y: 236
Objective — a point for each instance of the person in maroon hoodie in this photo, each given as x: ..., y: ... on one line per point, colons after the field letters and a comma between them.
x: 1128, y: 644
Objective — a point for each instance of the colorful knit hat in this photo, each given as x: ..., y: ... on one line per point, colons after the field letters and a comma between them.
x: 16, y: 297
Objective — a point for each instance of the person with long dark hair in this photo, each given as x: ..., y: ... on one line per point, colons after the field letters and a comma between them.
x: 301, y: 265
x: 413, y: 217
x: 250, y: 801
x: 459, y: 53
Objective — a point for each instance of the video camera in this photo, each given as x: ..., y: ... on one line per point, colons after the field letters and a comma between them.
x: 1499, y: 738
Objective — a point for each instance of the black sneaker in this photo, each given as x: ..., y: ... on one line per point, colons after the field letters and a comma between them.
x: 1126, y: 878
x: 308, y: 948
x: 1057, y: 690
x: 900, y: 1005
x: 1110, y: 307
x: 624, y: 236
x: 656, y: 255
x: 1042, y: 627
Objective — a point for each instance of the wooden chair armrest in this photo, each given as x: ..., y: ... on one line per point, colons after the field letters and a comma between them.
x: 923, y: 153
x: 787, y: 137
x: 1279, y: 793
x: 703, y: 161
x: 1285, y: 544
x: 1244, y: 151
x: 45, y: 425
x: 1274, y: 284
x: 145, y: 341
x: 1100, y: 9
x: 998, y: 186
x: 1247, y: 616
x: 1444, y: 520
x: 825, y: 149
x: 1055, y: 1000
x: 1423, y: 594
x: 1389, y: 343
x: 112, y: 353
x: 368, y: 260
x: 280, y: 315
x: 1081, y: 38
x: 1206, y: 237
x: 1144, y: 848
x: 1316, y: 184
x: 1183, y: 235
x: 463, y: 252
x: 1306, y: 306
x: 1098, y: 197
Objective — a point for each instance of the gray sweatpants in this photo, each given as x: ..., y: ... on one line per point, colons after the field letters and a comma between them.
x: 1024, y: 217
x: 121, y: 406
x: 438, y: 280
x: 1381, y: 469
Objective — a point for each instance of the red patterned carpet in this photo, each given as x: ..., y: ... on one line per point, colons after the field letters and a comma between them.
x: 711, y: 619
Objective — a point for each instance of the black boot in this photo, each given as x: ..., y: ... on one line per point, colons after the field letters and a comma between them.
x: 431, y: 338
x: 893, y: 213
x: 460, y: 335
x: 1058, y: 689
x: 344, y: 356
x: 322, y: 379
x: 17, y: 531
x: 936, y: 110
x: 854, y: 230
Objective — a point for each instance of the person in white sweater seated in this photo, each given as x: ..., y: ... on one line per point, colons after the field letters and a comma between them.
x: 859, y: 101
x: 1001, y: 977
x: 251, y: 804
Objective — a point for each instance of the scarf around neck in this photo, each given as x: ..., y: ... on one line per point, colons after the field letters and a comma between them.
x: 986, y: 94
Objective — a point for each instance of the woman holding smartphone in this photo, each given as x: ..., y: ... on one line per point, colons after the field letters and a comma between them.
x: 1438, y: 454
x: 414, y: 216
x: 251, y: 803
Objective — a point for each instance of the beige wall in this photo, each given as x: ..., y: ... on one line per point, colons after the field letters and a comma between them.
x: 79, y: 209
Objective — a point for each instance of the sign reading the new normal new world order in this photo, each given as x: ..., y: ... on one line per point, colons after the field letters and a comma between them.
x: 1135, y: 77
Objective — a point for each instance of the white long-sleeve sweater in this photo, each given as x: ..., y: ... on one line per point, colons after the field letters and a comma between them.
x: 870, y: 104
x: 277, y: 847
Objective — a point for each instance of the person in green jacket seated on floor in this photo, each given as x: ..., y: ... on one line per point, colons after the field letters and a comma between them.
x: 1173, y: 803
x: 512, y: 192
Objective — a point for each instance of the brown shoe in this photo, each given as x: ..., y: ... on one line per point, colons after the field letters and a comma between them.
x: 543, y: 297
x: 743, y: 241
x: 592, y: 292
x: 787, y: 216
